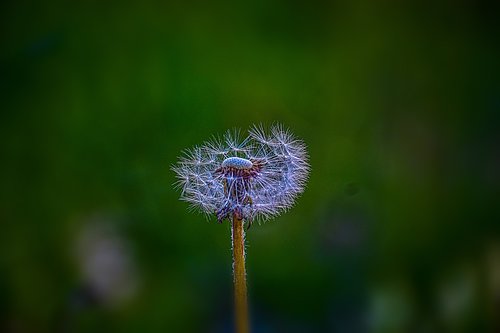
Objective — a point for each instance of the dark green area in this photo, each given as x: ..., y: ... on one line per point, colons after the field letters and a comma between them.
x: 398, y: 230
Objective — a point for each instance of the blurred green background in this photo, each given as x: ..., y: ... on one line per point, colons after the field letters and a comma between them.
x: 398, y: 230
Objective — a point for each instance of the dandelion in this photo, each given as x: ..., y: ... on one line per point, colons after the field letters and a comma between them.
x: 256, y: 178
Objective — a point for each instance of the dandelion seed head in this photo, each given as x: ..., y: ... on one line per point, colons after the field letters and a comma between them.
x: 257, y: 177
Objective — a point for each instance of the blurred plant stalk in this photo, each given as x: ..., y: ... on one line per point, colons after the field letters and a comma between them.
x: 240, y: 278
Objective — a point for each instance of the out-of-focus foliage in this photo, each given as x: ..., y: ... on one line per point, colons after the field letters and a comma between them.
x: 398, y: 230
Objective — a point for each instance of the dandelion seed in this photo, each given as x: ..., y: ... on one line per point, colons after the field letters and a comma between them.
x: 256, y: 178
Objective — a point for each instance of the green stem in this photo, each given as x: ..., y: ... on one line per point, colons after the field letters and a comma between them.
x: 240, y: 278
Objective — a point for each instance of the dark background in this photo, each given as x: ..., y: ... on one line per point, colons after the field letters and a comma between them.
x: 397, y: 231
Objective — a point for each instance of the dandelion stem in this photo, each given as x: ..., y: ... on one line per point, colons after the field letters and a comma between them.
x: 240, y: 278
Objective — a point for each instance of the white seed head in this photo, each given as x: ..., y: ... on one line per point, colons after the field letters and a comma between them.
x: 258, y: 177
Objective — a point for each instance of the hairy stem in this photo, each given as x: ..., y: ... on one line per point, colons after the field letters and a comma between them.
x: 240, y: 278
